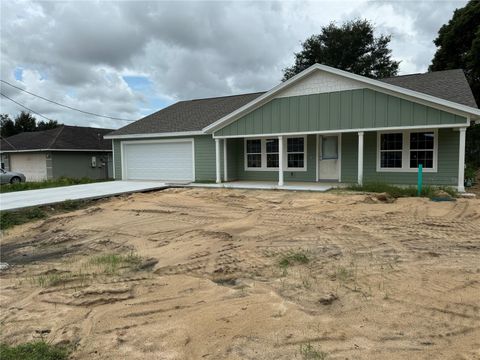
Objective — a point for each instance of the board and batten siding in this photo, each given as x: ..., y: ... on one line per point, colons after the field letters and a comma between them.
x: 341, y: 110
x: 447, y: 171
x: 204, y: 146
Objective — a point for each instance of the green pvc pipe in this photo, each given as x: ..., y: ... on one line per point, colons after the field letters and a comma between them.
x: 419, y: 180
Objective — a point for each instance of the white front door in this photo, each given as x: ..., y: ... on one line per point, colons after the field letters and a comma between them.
x: 328, y: 157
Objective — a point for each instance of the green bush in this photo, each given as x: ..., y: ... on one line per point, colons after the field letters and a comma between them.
x: 38, y: 350
x: 9, y: 219
x: 63, y: 181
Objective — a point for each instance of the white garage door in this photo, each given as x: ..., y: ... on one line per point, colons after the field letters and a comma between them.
x: 165, y: 161
x: 33, y: 166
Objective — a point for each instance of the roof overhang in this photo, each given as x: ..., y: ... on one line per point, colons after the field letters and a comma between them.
x: 429, y: 100
x: 155, y: 135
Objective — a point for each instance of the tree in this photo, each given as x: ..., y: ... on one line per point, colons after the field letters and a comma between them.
x: 7, y: 126
x: 47, y: 125
x: 25, y: 122
x: 351, y: 47
x: 458, y: 45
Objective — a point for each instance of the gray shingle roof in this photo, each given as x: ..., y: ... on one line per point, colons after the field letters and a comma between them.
x: 194, y: 115
x: 64, y: 137
x: 448, y: 85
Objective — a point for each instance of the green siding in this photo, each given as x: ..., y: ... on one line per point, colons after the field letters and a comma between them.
x: 447, y: 168
x: 204, y: 157
x: 351, y: 109
x: 78, y: 165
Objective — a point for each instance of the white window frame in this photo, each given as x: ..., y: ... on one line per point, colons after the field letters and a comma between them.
x: 264, y: 154
x: 406, y: 151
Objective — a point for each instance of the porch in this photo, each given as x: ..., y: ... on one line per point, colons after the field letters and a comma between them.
x: 322, y: 160
x: 271, y: 185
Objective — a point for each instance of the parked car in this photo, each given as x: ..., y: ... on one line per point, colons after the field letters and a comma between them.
x: 10, y: 177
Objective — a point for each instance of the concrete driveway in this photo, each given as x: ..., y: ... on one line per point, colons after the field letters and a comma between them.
x: 23, y: 199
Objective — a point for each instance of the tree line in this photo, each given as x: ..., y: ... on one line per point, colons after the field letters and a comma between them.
x: 23, y: 122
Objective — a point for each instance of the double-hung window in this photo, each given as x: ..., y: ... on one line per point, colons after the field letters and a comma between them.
x: 254, y: 153
x: 421, y: 149
x: 404, y: 151
x: 391, y: 150
x: 295, y: 153
x: 271, y: 149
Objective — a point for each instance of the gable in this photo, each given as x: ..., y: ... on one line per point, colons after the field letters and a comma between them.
x: 320, y: 82
x: 337, y: 111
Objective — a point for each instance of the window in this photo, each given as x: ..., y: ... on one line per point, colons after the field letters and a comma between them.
x: 254, y: 153
x: 264, y: 154
x: 404, y: 151
x: 421, y: 149
x: 391, y: 146
x: 329, y: 147
x: 272, y: 153
x: 295, y: 152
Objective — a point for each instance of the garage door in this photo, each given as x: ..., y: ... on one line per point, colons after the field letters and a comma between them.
x: 33, y: 166
x: 168, y: 161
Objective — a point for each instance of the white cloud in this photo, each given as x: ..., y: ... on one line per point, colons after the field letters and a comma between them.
x: 78, y: 53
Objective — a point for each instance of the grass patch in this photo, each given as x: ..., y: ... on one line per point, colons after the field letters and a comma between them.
x: 9, y: 219
x: 111, y: 263
x: 308, y: 352
x: 292, y: 258
x: 397, y: 191
x: 38, y: 350
x: 63, y: 181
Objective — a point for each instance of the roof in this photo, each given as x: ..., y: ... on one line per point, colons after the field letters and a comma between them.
x: 63, y: 137
x: 189, y: 115
x: 449, y: 85
x: 195, y: 115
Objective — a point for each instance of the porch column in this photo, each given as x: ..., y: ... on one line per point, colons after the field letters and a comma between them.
x: 225, y: 169
x: 280, y: 161
x: 360, y: 158
x: 461, y: 161
x: 217, y: 161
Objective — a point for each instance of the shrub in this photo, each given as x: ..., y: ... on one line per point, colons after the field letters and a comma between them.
x: 397, y: 191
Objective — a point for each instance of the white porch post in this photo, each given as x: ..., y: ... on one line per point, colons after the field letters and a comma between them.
x: 280, y: 161
x: 461, y: 160
x: 225, y: 171
x: 360, y: 158
x: 217, y: 160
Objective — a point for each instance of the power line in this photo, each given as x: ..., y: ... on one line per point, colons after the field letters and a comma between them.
x: 37, y: 113
x: 63, y: 105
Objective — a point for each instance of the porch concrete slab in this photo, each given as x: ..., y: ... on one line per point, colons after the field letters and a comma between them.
x: 24, y: 199
x: 267, y: 185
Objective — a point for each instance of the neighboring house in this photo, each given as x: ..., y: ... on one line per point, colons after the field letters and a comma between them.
x: 323, y: 124
x: 70, y: 151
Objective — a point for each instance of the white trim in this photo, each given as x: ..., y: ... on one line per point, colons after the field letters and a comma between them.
x: 57, y: 150
x: 317, y: 157
x: 280, y: 161
x: 360, y: 158
x: 461, y: 161
x: 152, y: 135
x: 420, y: 127
x: 406, y: 152
x: 225, y: 170
x: 263, y: 154
x: 340, y: 157
x: 113, y: 159
x: 124, y: 160
x: 419, y: 97
x: 217, y: 162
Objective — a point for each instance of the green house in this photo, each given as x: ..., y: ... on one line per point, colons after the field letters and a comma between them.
x: 322, y: 125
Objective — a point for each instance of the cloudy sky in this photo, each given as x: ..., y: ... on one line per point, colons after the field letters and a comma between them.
x: 127, y: 59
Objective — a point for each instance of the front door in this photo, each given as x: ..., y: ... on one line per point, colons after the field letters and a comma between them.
x: 328, y: 164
